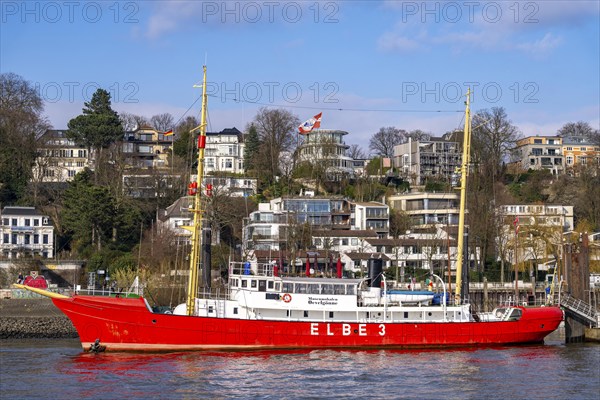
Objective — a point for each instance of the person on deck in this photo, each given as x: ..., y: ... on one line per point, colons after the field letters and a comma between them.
x: 20, y: 279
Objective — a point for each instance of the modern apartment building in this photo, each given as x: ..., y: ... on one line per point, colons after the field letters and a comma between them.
x: 326, y: 147
x: 425, y: 208
x: 147, y: 148
x: 284, y: 220
x: 25, y: 233
x: 419, y: 161
x: 540, y: 152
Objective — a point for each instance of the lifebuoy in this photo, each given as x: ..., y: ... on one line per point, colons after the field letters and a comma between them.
x: 287, y: 297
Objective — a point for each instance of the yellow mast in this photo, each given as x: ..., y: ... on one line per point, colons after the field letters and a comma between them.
x: 463, y: 196
x: 196, y: 229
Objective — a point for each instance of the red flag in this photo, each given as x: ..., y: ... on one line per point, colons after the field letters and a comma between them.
x: 310, y: 124
x: 516, y: 224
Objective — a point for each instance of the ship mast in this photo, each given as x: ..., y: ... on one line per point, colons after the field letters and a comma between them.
x: 196, y: 229
x: 464, y: 172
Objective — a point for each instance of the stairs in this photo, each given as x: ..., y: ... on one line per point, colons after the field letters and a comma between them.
x: 580, y: 308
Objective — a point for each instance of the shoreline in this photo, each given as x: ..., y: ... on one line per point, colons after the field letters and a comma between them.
x: 33, y: 319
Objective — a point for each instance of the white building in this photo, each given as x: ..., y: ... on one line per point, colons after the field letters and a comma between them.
x: 224, y: 151
x: 326, y: 147
x: 26, y: 233
x: 419, y: 161
x: 426, y: 208
x: 60, y: 159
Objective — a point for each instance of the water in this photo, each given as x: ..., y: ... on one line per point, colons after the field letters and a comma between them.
x: 54, y: 369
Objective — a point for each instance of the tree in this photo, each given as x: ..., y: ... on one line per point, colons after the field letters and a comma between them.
x: 88, y: 213
x: 21, y: 123
x: 132, y: 122
x: 418, y: 135
x: 97, y: 128
x: 251, y: 149
x: 276, y: 129
x: 184, y: 146
x: 383, y: 142
x: 99, y: 125
x: 580, y: 128
x: 493, y: 135
x: 356, y: 152
x: 162, y: 122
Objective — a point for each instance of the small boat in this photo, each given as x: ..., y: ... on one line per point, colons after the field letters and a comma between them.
x: 409, y: 296
x: 260, y: 309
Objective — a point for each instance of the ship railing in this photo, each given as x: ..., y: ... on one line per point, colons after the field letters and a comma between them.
x: 248, y: 268
x: 214, y: 293
x: 106, y: 292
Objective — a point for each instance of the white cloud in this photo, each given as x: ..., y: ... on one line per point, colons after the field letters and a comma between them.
x: 394, y: 42
x: 542, y: 46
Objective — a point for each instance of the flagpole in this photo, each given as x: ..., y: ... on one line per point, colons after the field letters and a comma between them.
x: 516, y: 261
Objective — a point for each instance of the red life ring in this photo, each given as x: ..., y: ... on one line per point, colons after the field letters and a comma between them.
x: 287, y: 297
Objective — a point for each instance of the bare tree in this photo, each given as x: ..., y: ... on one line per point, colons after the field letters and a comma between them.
x: 580, y: 128
x: 162, y: 122
x: 419, y: 135
x: 132, y: 122
x: 383, y: 142
x: 493, y: 136
x: 356, y: 152
x: 276, y: 130
x: 21, y: 123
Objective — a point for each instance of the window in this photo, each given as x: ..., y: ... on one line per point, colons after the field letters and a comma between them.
x: 344, y: 242
x: 36, y: 222
x: 27, y: 239
x: 6, y: 238
x: 235, y: 310
x: 45, y: 239
x: 5, y: 221
x: 253, y: 283
x: 71, y: 173
x: 305, y: 314
x: 14, y: 238
x: 27, y: 222
x: 36, y: 239
x: 14, y: 222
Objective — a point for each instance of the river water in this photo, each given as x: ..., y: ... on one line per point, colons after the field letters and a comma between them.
x: 58, y: 369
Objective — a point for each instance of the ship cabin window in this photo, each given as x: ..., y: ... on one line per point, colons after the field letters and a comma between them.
x: 288, y: 287
x: 313, y: 289
x: 351, y: 290
x: 515, y: 315
x: 270, y: 284
x: 339, y: 289
x: 210, y: 309
x: 277, y: 287
x: 253, y: 283
x: 235, y: 310
x: 330, y: 314
x: 305, y: 314
x: 327, y: 289
x: 287, y: 313
x: 405, y: 315
x: 300, y: 288
x: 244, y: 283
x: 367, y: 315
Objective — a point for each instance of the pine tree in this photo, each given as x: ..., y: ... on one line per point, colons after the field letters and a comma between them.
x: 251, y: 149
x: 99, y: 125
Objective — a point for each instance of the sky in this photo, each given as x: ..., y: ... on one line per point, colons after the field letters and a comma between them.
x: 365, y: 65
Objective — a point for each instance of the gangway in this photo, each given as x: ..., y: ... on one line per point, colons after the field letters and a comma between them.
x: 580, y: 308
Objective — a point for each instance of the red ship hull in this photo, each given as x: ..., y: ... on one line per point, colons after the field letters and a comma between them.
x: 123, y: 324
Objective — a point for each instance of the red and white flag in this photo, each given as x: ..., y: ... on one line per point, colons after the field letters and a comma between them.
x: 516, y: 224
x: 310, y: 124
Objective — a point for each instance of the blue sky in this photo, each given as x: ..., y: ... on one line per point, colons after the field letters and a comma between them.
x: 363, y: 64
